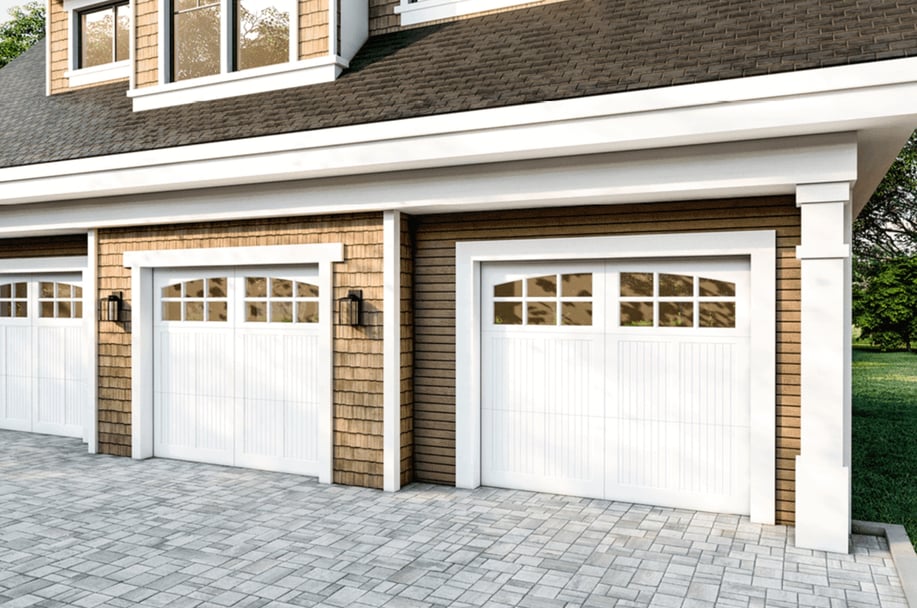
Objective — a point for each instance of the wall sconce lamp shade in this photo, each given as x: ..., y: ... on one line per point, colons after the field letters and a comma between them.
x: 350, y: 308
x: 110, y: 307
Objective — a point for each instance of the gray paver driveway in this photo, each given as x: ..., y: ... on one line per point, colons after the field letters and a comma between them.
x: 81, y: 530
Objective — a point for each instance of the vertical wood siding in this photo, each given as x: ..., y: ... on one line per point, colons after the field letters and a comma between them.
x: 357, y: 352
x: 434, y: 306
x: 407, y: 354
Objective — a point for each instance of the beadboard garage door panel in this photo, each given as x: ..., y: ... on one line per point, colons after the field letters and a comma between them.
x: 237, y: 383
x: 43, y: 367
x: 578, y: 398
x: 434, y: 359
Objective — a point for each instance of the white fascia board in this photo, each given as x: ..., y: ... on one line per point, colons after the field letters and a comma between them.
x: 847, y: 98
x: 755, y: 168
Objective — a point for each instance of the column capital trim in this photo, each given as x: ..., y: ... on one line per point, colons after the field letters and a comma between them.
x: 831, y: 192
x: 822, y: 252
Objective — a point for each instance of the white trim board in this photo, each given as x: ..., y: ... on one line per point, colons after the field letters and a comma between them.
x: 866, y: 97
x: 757, y: 168
x: 142, y: 265
x: 75, y: 263
x: 391, y: 382
x: 758, y: 246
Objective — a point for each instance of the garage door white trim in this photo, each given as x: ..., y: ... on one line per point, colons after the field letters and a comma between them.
x: 142, y: 264
x: 758, y: 246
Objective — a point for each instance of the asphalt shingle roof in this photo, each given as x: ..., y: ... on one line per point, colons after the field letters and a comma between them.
x: 556, y: 51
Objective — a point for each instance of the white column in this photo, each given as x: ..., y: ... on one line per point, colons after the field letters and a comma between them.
x: 391, y: 349
x: 91, y: 320
x: 823, y: 467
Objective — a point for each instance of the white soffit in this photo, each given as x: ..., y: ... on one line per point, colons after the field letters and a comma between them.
x: 751, y: 168
x: 846, y: 98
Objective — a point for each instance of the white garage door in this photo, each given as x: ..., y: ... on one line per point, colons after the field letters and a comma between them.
x: 235, y: 367
x: 42, y: 359
x: 618, y: 380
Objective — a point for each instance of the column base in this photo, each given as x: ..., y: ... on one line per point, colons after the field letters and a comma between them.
x: 822, y: 506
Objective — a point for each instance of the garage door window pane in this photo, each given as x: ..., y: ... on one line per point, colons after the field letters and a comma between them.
x: 717, y: 314
x: 577, y: 285
x: 216, y: 311
x: 508, y: 313
x: 22, y: 310
x: 676, y: 285
x: 194, y: 311
x: 676, y: 314
x: 255, y: 287
x: 216, y: 288
x: 46, y: 290
x: 577, y: 313
x: 636, y: 284
x: 636, y: 314
x: 282, y: 312
x: 307, y: 312
x: 542, y: 287
x: 512, y: 289
x: 22, y: 290
x: 171, y: 311
x: 256, y: 311
x: 172, y: 291
x: 281, y: 288
x: 63, y: 309
x: 306, y: 290
x: 195, y: 289
x: 46, y: 310
x: 714, y: 288
x: 541, y: 313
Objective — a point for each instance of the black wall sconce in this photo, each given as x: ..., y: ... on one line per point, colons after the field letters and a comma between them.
x: 350, y: 308
x: 110, y: 308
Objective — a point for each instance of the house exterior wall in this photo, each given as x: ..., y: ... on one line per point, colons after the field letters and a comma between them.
x: 434, y: 306
x: 357, y: 351
x: 44, y: 246
x: 146, y: 44
x: 407, y: 353
x: 313, y: 28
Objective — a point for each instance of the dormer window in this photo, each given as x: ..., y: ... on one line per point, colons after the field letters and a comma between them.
x: 104, y: 35
x: 99, y: 41
x: 256, y: 34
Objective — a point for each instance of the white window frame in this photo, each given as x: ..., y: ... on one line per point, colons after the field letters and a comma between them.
x: 144, y: 301
x: 758, y: 246
x: 422, y: 11
x: 116, y: 70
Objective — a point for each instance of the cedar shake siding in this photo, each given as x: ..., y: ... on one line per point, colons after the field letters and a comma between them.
x: 407, y: 353
x: 357, y: 351
x: 43, y: 246
x: 434, y: 306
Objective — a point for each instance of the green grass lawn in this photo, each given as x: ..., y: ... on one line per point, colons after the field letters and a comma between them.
x: 885, y: 438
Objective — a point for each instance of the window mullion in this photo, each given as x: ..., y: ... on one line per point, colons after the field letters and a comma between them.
x: 227, y: 30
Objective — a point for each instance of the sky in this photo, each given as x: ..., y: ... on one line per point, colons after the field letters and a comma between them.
x: 6, y: 5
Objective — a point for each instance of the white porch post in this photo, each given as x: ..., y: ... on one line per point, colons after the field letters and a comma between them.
x: 823, y: 467
x: 391, y: 346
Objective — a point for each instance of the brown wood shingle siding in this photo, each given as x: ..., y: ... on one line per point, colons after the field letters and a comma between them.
x: 43, y: 246
x: 407, y: 354
x: 434, y: 306
x: 357, y: 352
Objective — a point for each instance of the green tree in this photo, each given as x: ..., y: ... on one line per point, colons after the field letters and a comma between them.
x: 886, y: 229
x: 25, y: 28
x: 886, y: 310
